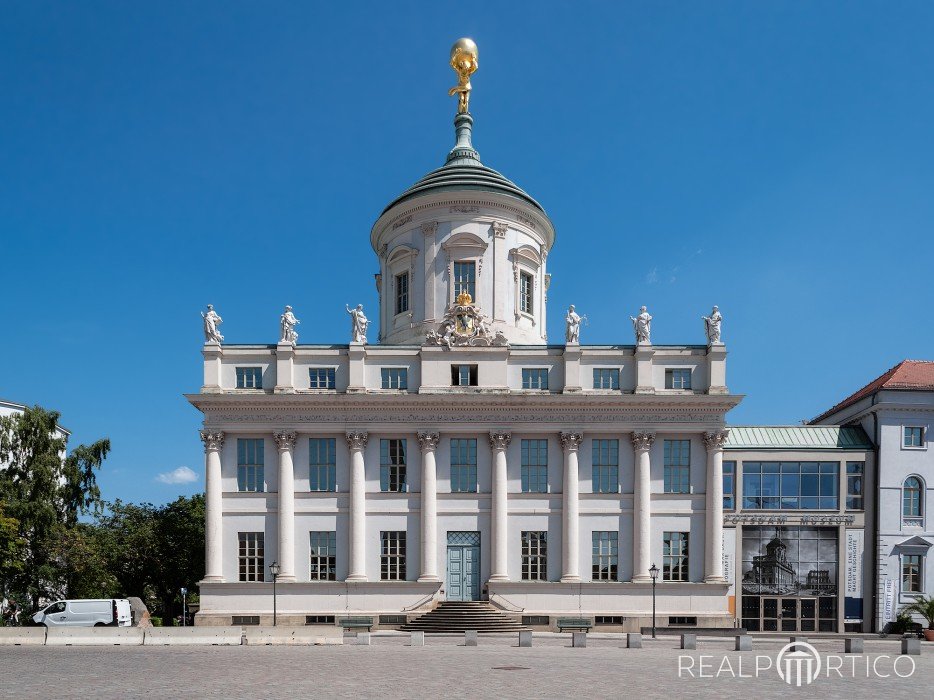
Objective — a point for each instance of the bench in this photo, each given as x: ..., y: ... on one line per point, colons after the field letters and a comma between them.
x: 574, y: 623
x: 349, y: 623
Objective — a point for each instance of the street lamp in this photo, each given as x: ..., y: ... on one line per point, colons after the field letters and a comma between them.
x: 184, y: 607
x: 653, y: 572
x: 274, y: 570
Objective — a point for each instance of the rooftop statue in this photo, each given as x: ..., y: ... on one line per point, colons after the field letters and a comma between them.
x: 572, y: 333
x: 287, y: 323
x: 211, y: 321
x: 712, y: 326
x: 642, y: 324
x: 464, y: 56
x: 358, y: 324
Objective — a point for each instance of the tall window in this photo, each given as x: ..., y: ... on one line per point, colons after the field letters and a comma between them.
x: 464, y: 375
x: 321, y: 378
x: 675, y: 556
x: 791, y: 485
x: 465, y: 279
x: 605, y: 457
x: 249, y: 377
x: 913, y: 436
x: 729, y: 485
x: 525, y: 292
x: 911, y: 573
x: 605, y: 556
x: 323, y: 555
x: 252, y: 559
x: 912, y: 504
x: 402, y: 293
x: 854, y: 485
x: 322, y: 469
x: 534, y: 466
x: 534, y: 556
x: 677, y: 378
x: 394, y: 378
x: 677, y: 466
x: 392, y: 556
x: 463, y: 465
x: 605, y: 378
x: 250, y: 470
x: 535, y: 378
x: 392, y: 465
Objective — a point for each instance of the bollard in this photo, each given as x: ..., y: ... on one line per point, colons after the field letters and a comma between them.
x: 853, y: 645
x: 579, y: 639
x: 911, y: 646
x: 363, y: 638
x: 743, y: 642
x: 798, y: 639
x: 633, y: 640
x: 470, y: 638
x: 689, y: 641
x: 417, y: 639
x: 525, y: 638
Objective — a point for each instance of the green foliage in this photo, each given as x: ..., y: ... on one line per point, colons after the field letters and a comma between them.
x: 902, y: 623
x: 12, y: 548
x: 156, y: 621
x: 923, y: 606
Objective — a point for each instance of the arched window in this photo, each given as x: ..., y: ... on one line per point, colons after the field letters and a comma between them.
x: 911, y: 498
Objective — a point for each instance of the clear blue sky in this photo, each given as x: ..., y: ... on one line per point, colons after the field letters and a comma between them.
x: 775, y: 158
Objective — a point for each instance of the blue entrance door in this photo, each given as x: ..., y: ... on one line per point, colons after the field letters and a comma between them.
x: 463, y: 566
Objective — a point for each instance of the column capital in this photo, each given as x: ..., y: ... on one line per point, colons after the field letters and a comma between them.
x: 643, y: 441
x: 429, y: 228
x: 571, y: 441
x: 717, y: 439
x: 285, y: 439
x: 499, y: 229
x: 213, y: 439
x: 500, y: 441
x: 429, y: 441
x: 356, y: 440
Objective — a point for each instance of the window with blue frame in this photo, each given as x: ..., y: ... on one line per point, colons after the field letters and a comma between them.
x: 854, y: 485
x: 394, y: 378
x: 677, y: 455
x: 913, y: 436
x: 605, y: 556
x: 535, y: 378
x: 678, y: 378
x: 323, y: 556
x: 392, y: 465
x: 605, y: 378
x: 249, y: 377
x: 321, y: 378
x: 534, y: 468
x: 605, y: 458
x: 322, y: 464
x: 463, y: 465
x: 729, y: 485
x: 791, y: 485
x: 402, y: 293
x: 465, y: 278
x: 250, y: 465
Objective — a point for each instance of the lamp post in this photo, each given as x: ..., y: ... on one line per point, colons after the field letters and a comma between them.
x: 274, y: 570
x: 653, y: 572
x: 184, y: 607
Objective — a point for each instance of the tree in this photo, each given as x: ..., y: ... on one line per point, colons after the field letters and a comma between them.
x: 181, y: 545
x: 11, y: 550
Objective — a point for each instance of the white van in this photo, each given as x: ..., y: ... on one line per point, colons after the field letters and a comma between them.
x: 114, y: 612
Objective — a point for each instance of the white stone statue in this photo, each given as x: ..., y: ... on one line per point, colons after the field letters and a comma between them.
x: 712, y: 326
x: 211, y: 321
x: 642, y: 324
x: 359, y: 324
x: 287, y: 323
x: 573, y: 322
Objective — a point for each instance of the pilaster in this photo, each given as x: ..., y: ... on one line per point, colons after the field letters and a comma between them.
x: 716, y: 362
x: 356, y: 355
x: 644, y: 382
x: 213, y: 355
x: 285, y: 381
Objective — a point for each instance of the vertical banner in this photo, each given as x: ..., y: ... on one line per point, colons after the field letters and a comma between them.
x: 729, y: 566
x: 853, y: 581
x: 888, y: 604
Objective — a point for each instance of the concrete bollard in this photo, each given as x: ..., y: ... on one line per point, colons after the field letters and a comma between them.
x: 911, y: 646
x: 525, y: 638
x: 633, y: 640
x: 743, y: 642
x: 579, y: 639
x: 798, y: 639
x: 417, y: 639
x: 470, y: 638
x: 689, y: 641
x: 363, y: 638
x: 853, y: 645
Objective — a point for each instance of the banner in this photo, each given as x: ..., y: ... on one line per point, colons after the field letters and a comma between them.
x: 888, y: 603
x: 853, y: 580
x: 729, y: 559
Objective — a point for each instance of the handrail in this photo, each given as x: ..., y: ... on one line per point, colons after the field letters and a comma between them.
x: 427, y: 599
x: 515, y: 608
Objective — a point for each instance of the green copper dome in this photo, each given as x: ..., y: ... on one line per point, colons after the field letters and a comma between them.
x: 464, y: 171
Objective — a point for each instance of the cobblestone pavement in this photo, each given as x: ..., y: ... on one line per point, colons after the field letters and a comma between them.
x: 389, y: 668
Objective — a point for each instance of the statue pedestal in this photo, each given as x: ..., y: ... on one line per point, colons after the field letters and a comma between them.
x: 572, y: 368
x: 285, y: 379
x: 644, y: 383
x: 716, y: 368
x: 356, y: 354
x: 213, y: 353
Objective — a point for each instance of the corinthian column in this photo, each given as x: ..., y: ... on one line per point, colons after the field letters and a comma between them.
x: 713, y: 559
x: 570, y: 550
x: 213, y: 507
x: 499, y: 508
x: 429, y: 443
x: 285, y: 441
x: 356, y: 441
x: 642, y: 508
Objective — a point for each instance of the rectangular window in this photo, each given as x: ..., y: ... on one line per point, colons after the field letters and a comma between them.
x: 465, y: 278
x: 244, y: 620
x: 682, y: 620
x: 601, y: 620
x: 534, y: 556
x: 914, y: 436
x: 605, y: 556
x: 911, y: 573
x: 392, y: 465
x: 463, y: 375
x: 319, y: 619
x: 252, y: 560
x: 463, y: 465
x: 402, y: 293
x: 534, y: 466
x: 250, y: 470
x: 605, y: 457
x: 729, y: 485
x: 322, y: 464
x: 535, y: 378
x: 323, y: 555
x: 605, y: 378
x: 392, y: 556
x: 854, y: 485
x: 249, y: 377
x: 525, y: 293
x: 394, y: 378
x: 675, y: 557
x: 677, y: 378
x: 321, y: 378
x: 677, y: 466
x: 791, y: 485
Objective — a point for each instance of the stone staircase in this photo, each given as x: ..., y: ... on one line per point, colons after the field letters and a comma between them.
x: 460, y: 616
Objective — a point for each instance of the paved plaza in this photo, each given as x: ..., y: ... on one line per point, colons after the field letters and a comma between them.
x: 389, y: 668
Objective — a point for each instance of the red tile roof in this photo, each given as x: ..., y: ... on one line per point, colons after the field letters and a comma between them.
x: 908, y: 374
